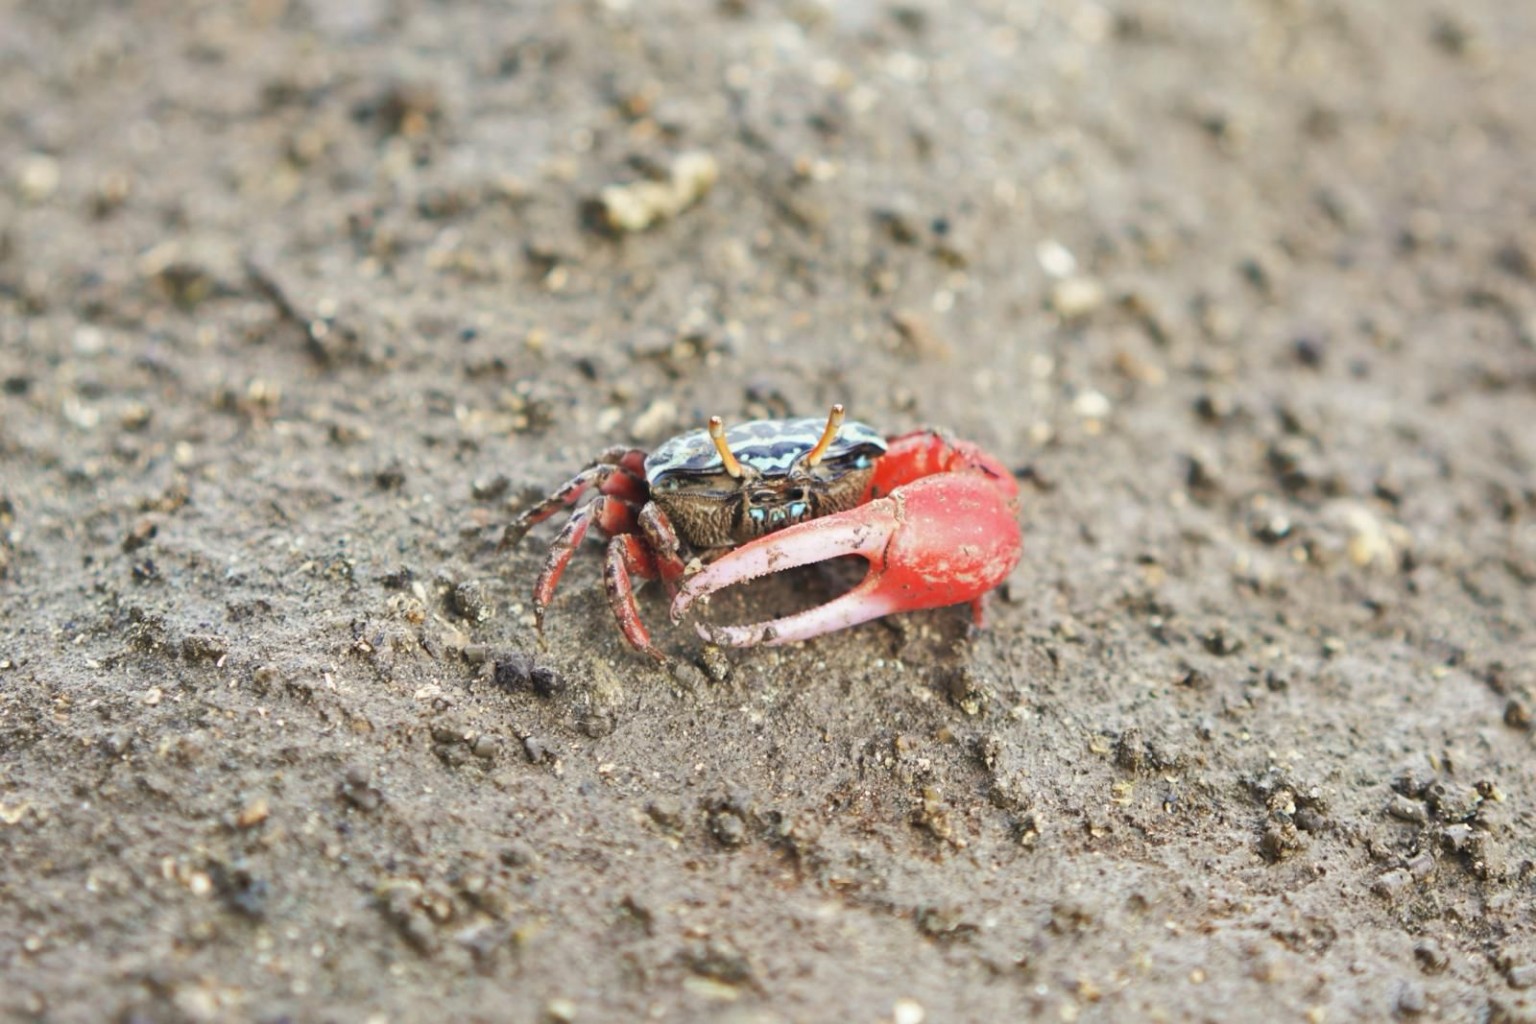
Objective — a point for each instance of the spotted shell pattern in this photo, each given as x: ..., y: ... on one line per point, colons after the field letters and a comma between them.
x: 769, y: 446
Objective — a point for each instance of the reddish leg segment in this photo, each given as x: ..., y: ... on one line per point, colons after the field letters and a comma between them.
x: 618, y: 471
x: 627, y: 556
x: 613, y: 516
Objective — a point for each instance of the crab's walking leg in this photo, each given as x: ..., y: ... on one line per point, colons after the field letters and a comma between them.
x: 619, y: 472
x: 614, y: 516
x: 627, y: 556
x: 945, y: 533
x: 665, y: 547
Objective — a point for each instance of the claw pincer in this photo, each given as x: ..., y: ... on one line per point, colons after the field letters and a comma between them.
x: 946, y: 533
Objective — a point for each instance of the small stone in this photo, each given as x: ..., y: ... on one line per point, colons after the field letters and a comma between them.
x: 1521, y: 975
x: 468, y: 601
x: 689, y: 675
x: 490, y: 488
x: 666, y: 812
x: 715, y: 663
x: 485, y: 746
x: 1221, y: 642
x: 643, y: 204
x: 1406, y: 809
x: 254, y: 813
x: 1092, y: 405
x: 1073, y: 298
x: 37, y: 177
x: 1517, y: 716
x: 1392, y: 884
x: 516, y: 670
x: 728, y: 828
x: 908, y: 1011
x: 1309, y: 819
x: 1453, y: 802
x: 1280, y: 841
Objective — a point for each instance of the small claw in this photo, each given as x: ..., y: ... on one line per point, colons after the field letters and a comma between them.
x: 937, y: 541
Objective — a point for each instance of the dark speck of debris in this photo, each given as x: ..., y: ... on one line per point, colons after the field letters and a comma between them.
x: 490, y: 488
x: 1308, y: 352
x: 399, y: 579
x: 516, y: 670
x: 142, y: 533
x: 390, y: 478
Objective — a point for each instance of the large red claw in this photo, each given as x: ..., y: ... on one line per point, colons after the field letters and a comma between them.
x: 937, y: 541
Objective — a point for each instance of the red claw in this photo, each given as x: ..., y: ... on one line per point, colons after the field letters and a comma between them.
x: 938, y: 540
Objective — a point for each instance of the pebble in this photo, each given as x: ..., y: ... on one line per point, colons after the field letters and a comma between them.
x: 689, y: 675
x: 1452, y: 801
x: 37, y: 177
x: 715, y: 663
x: 666, y: 811
x: 516, y: 670
x: 1392, y: 884
x: 1406, y: 809
x: 254, y: 813
x: 1092, y: 405
x: 1074, y: 298
x: 468, y: 601
x: 728, y: 828
x: 643, y: 204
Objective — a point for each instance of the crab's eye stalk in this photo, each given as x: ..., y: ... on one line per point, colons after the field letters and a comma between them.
x: 834, y: 424
x: 717, y: 435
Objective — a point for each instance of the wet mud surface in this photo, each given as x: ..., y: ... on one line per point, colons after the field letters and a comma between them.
x: 300, y: 303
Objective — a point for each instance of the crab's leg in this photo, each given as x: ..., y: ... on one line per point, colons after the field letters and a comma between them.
x: 627, y: 556
x: 935, y: 540
x: 613, y: 516
x: 619, y: 472
x: 665, y: 547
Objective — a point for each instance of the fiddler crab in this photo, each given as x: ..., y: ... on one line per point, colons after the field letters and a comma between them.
x: 936, y: 519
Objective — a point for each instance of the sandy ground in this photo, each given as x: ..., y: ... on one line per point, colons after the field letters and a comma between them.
x: 300, y: 302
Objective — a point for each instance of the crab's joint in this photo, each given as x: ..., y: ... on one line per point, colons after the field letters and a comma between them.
x: 828, y: 435
x: 717, y: 435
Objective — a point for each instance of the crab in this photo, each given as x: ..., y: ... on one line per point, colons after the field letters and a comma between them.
x: 936, y: 519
